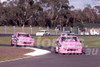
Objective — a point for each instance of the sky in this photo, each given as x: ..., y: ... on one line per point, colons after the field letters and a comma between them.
x: 80, y: 4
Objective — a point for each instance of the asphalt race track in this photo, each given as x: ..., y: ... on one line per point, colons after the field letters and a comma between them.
x: 58, y: 60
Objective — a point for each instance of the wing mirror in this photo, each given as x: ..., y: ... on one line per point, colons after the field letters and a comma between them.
x: 57, y: 42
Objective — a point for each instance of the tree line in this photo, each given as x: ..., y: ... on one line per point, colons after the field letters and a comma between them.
x: 46, y: 13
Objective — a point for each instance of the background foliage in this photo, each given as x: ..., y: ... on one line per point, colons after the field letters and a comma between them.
x: 46, y: 13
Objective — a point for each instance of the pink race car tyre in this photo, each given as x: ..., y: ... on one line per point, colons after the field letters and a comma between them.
x: 16, y: 44
x: 79, y: 53
x: 55, y: 51
x: 63, y: 54
x: 84, y: 51
x: 12, y: 44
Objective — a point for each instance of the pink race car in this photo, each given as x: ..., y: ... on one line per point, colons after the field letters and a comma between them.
x: 68, y: 44
x: 22, y: 39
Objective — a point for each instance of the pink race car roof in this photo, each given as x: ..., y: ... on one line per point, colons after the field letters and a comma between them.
x: 21, y: 33
x: 68, y: 36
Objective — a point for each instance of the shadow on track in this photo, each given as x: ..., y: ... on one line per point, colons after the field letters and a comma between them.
x: 5, y: 45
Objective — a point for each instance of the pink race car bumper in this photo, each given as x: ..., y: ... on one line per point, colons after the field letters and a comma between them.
x: 30, y: 43
x: 69, y: 50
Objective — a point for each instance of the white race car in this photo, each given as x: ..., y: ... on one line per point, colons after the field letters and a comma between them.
x: 42, y: 33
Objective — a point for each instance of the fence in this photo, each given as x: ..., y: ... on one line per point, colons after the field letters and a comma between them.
x: 33, y: 30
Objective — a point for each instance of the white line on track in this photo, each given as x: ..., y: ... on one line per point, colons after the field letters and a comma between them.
x: 37, y: 52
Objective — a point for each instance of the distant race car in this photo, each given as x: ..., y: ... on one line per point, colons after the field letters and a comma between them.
x: 68, y: 34
x: 68, y: 44
x: 42, y: 33
x: 22, y: 39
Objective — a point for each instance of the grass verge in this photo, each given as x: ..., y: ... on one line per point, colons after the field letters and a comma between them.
x: 7, y: 53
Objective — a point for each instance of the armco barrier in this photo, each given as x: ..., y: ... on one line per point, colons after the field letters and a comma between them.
x: 47, y: 35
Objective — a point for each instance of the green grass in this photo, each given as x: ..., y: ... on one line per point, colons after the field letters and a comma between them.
x: 90, y: 41
x: 5, y: 40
